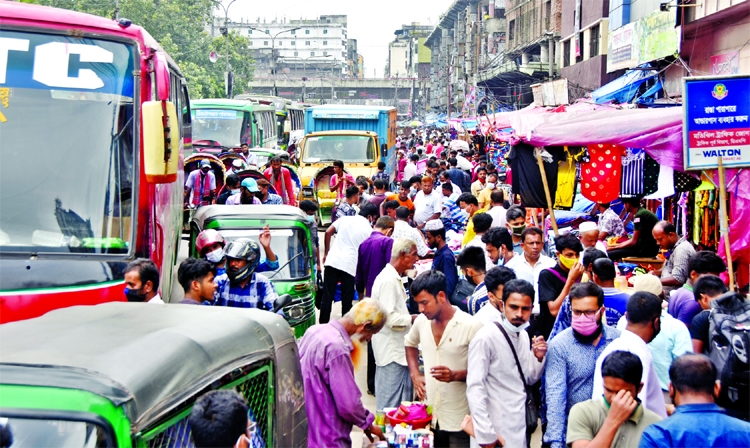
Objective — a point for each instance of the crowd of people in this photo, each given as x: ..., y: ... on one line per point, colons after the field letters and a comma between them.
x: 467, y: 304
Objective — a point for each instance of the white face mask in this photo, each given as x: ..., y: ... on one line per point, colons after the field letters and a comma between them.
x: 233, y: 192
x: 215, y: 256
x: 490, y: 185
x: 510, y: 327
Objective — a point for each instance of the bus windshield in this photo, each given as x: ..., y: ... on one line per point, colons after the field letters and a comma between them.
x: 219, y: 127
x: 347, y: 148
x: 67, y: 123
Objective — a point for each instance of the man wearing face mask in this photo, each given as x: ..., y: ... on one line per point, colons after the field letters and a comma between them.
x: 142, y: 281
x: 485, y: 196
x: 489, y: 311
x: 231, y: 187
x: 246, y: 196
x: 555, y: 282
x: 210, y: 245
x: 265, y: 196
x: 644, y: 324
x: 495, y: 388
x: 571, y: 359
x: 515, y: 221
x: 499, y: 245
x: 470, y: 206
x: 200, y: 186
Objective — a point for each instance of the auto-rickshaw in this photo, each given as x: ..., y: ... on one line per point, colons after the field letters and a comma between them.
x: 192, y: 163
x: 319, y: 191
x: 228, y: 157
x: 128, y: 374
x: 291, y: 241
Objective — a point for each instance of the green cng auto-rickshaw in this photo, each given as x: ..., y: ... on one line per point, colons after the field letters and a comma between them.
x: 291, y: 241
x: 128, y: 374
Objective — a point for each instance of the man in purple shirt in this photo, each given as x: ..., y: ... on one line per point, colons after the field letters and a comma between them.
x: 682, y: 304
x: 328, y: 354
x: 374, y: 254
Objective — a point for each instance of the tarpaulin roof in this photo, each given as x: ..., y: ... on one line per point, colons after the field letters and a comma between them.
x: 625, y: 88
x: 657, y: 131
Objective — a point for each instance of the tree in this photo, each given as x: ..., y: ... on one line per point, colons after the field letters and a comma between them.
x: 180, y: 28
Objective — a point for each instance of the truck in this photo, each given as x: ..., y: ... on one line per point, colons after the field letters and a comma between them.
x: 359, y: 136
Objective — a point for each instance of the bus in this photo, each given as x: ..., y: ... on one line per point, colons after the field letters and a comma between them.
x: 94, y: 118
x: 221, y: 125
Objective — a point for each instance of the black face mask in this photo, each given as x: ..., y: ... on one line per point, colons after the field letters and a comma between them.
x: 583, y: 339
x: 259, y: 195
x: 134, y: 296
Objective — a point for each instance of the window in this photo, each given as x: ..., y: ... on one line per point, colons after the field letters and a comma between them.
x: 594, y: 41
x: 307, y: 42
x: 325, y: 31
x: 579, y: 49
x: 307, y: 31
x: 566, y: 53
x: 512, y: 30
x: 265, y: 42
x: 251, y: 43
x: 312, y: 53
x: 268, y: 32
x: 296, y: 53
x: 325, y: 42
x: 249, y: 31
x: 294, y: 43
x: 294, y: 31
x: 281, y: 42
x: 325, y: 53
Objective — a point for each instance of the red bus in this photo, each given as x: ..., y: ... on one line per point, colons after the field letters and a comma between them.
x: 94, y: 116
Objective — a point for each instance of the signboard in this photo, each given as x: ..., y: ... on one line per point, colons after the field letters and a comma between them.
x: 716, y: 122
x: 725, y: 64
x: 652, y: 37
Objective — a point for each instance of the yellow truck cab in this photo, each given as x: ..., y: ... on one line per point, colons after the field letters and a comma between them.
x: 359, y: 136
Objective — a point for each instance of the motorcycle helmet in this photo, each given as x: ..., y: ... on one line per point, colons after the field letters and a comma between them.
x: 208, y: 238
x: 243, y: 249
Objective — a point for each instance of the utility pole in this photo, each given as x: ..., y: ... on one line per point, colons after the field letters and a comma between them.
x: 273, y: 53
x: 333, y: 63
x: 225, y: 32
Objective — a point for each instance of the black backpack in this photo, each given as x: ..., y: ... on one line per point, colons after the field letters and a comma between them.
x: 728, y: 346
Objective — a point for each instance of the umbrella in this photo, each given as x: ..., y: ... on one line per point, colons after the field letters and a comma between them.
x: 415, y: 124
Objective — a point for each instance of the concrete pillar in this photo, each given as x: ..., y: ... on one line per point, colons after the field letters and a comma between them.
x: 491, y: 10
x: 524, y: 59
x: 544, y: 54
x: 551, y: 45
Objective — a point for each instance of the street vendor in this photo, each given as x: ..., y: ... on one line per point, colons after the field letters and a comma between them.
x: 642, y: 244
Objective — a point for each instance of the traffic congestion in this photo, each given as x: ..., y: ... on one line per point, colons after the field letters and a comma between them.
x: 289, y: 269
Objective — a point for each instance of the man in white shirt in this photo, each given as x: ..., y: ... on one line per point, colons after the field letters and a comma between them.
x: 428, y: 204
x: 142, y: 281
x: 494, y: 387
x: 644, y: 324
x: 497, y: 211
x: 392, y: 380
x: 410, y: 170
x: 340, y: 261
x: 443, y: 332
x: 402, y: 229
x: 531, y: 262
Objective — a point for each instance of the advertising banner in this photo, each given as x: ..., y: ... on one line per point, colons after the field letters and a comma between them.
x: 716, y: 122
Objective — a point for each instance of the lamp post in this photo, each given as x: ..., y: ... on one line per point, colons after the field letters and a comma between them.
x: 273, y: 53
x: 304, y: 70
x: 225, y: 32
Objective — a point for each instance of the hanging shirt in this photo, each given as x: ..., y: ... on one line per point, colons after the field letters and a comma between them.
x: 632, y: 173
x: 527, y: 179
x: 566, y: 184
x: 601, y: 176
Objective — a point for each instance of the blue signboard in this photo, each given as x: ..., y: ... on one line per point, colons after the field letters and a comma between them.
x: 716, y: 122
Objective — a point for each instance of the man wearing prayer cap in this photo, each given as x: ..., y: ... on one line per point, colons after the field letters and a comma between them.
x: 588, y: 233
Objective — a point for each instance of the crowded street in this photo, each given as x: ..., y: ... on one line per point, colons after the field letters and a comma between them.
x: 433, y: 224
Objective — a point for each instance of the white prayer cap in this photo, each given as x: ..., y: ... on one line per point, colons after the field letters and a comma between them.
x: 587, y: 226
x: 433, y: 224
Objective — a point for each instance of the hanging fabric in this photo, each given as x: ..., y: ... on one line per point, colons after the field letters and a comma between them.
x: 666, y: 183
x: 527, y: 178
x: 567, y: 176
x: 650, y: 175
x: 601, y: 176
x: 632, y: 173
x: 685, y: 182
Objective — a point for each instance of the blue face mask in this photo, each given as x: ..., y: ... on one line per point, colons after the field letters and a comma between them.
x: 310, y: 218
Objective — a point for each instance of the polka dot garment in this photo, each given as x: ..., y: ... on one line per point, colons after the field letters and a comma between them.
x: 601, y: 176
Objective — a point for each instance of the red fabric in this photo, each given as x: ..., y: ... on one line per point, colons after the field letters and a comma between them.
x: 288, y: 184
x: 196, y: 193
x: 600, y: 177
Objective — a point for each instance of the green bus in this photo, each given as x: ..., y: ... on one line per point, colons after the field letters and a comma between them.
x: 220, y: 125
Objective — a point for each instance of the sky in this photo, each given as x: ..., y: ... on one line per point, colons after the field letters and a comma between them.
x: 372, y: 23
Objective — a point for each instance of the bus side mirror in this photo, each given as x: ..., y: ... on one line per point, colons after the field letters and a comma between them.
x: 384, y: 149
x: 160, y: 142
x: 161, y: 73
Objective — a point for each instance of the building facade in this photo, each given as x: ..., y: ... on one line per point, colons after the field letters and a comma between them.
x: 298, y: 48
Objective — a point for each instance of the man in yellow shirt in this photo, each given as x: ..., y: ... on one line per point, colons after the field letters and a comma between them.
x: 485, y: 201
x: 470, y: 205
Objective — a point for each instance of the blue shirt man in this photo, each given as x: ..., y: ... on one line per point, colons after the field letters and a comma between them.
x: 257, y: 293
x: 444, y: 260
x: 697, y: 421
x: 613, y: 300
x: 571, y: 360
